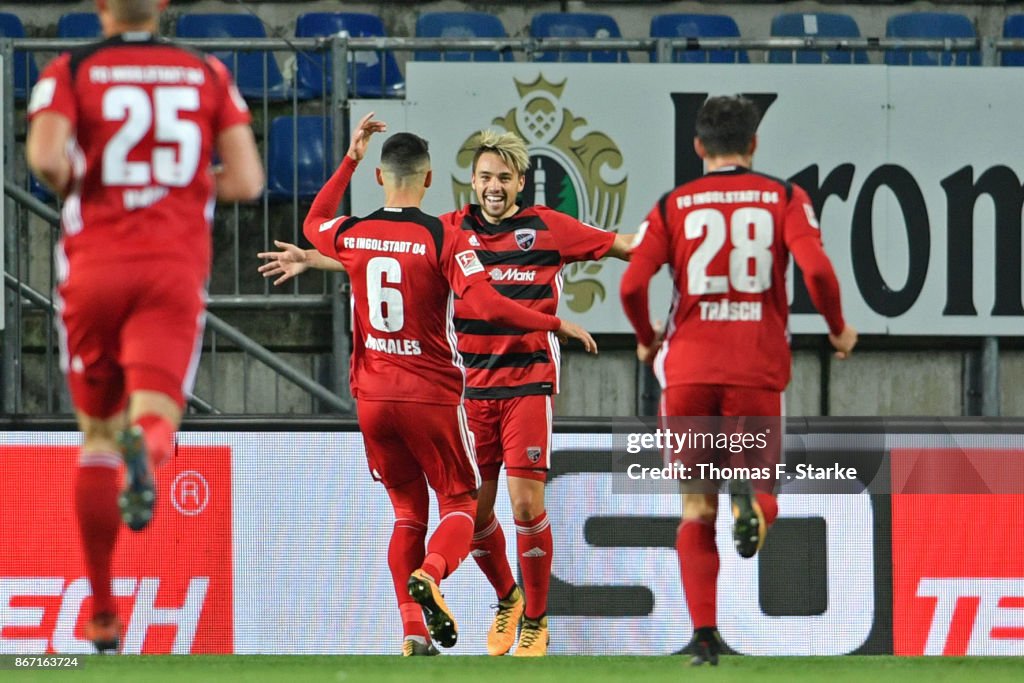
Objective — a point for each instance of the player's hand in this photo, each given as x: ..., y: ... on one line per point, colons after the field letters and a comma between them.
x: 362, y: 134
x: 285, y: 264
x: 844, y: 342
x: 646, y: 354
x: 570, y: 330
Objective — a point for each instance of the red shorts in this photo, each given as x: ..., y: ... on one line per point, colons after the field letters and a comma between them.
x: 405, y: 441
x: 514, y: 431
x: 129, y: 326
x: 758, y: 412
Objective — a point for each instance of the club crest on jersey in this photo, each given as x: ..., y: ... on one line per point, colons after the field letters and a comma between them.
x: 533, y: 453
x: 574, y: 167
x: 526, y: 238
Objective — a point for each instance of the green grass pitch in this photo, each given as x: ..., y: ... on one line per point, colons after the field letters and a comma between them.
x: 454, y: 669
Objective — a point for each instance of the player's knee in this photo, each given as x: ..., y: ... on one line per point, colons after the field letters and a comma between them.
x: 527, y: 504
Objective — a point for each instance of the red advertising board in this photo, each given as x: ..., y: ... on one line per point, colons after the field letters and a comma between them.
x: 958, y: 558
x: 172, y: 581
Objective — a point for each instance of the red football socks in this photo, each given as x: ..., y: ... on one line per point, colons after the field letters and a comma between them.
x: 534, y: 545
x: 488, y: 550
x: 698, y: 564
x: 96, y: 489
x: 769, y: 505
x: 158, y: 433
x: 449, y: 544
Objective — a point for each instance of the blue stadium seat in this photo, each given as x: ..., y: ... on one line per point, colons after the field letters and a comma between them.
x: 930, y: 25
x: 376, y: 74
x: 1013, y: 27
x: 247, y: 67
x: 460, y: 25
x: 79, y: 25
x: 815, y: 25
x: 25, y: 71
x: 298, y: 156
x: 698, y: 26
x: 558, y: 25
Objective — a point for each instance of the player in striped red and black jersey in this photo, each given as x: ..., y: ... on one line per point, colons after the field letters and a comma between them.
x: 727, y: 238
x: 407, y: 375
x: 511, y: 377
x: 124, y: 130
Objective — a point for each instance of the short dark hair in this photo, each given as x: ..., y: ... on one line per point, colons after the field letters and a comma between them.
x: 404, y: 154
x: 726, y: 125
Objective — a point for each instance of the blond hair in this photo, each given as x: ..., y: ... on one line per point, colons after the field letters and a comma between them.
x: 134, y: 12
x: 509, y: 146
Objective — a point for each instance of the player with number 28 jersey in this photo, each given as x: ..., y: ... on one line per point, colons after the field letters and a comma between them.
x: 728, y: 322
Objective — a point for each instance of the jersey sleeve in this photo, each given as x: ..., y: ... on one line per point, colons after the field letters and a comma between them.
x: 803, y: 239
x: 53, y: 92
x: 459, y: 262
x: 321, y: 224
x: 650, y: 251
x: 577, y: 241
x: 233, y: 109
x: 799, y: 219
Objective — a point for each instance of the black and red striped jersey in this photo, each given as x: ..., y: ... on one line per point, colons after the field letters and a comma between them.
x: 524, y: 255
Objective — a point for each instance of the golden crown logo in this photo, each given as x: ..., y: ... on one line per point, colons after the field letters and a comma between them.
x: 573, y: 169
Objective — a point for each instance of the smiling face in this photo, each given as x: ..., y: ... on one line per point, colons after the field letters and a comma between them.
x: 497, y: 185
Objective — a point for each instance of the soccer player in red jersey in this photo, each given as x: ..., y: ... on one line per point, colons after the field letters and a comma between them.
x: 511, y: 377
x: 124, y: 131
x: 408, y: 377
x: 727, y: 238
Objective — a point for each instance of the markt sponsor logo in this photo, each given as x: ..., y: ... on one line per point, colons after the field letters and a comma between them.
x: 172, y: 582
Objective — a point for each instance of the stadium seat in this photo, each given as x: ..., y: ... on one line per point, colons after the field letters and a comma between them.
x: 247, y: 67
x: 79, y: 25
x: 558, y: 25
x: 371, y: 73
x: 810, y: 25
x: 698, y: 26
x: 25, y: 71
x: 1013, y: 27
x: 930, y: 25
x: 298, y: 156
x: 460, y: 25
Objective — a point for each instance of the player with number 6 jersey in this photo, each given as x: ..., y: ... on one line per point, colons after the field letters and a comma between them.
x: 407, y: 374
x: 124, y: 131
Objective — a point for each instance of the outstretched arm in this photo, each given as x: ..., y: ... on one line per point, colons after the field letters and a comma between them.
x: 504, y: 312
x: 622, y: 247
x: 292, y: 261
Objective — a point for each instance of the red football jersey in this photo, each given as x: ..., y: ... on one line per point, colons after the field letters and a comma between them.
x: 146, y: 114
x: 524, y: 255
x: 406, y: 268
x: 727, y: 238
